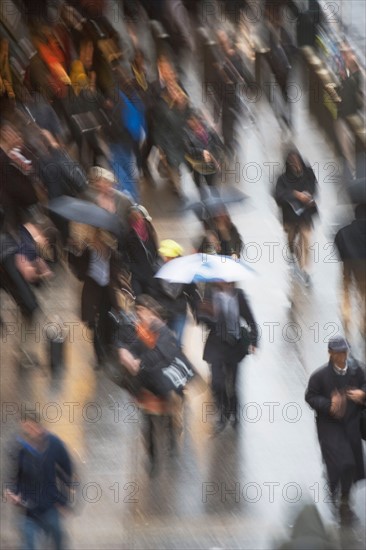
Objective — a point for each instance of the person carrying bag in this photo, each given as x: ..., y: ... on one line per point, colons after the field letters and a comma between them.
x: 228, y: 342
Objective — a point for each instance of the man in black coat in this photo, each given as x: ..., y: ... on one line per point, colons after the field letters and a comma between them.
x: 351, y: 244
x: 337, y: 392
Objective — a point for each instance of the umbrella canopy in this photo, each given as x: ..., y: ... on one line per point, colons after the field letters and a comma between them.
x: 212, y: 205
x: 80, y: 211
x: 197, y: 268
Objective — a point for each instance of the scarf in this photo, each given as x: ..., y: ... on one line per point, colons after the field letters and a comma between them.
x: 226, y: 308
x: 202, y: 136
x: 140, y: 227
x: 340, y: 372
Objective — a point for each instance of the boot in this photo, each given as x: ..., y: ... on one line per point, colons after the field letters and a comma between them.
x: 346, y: 514
x: 175, y: 422
x: 152, y: 466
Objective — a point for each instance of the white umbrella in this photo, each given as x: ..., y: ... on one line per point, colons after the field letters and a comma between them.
x: 203, y: 267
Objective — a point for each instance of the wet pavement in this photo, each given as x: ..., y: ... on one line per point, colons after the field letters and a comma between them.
x: 242, y: 488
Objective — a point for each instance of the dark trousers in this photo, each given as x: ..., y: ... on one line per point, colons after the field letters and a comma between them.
x: 200, y: 180
x: 224, y: 379
x: 95, y: 305
x: 341, y: 474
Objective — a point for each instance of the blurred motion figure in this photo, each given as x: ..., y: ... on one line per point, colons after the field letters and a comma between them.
x: 295, y: 191
x: 351, y: 244
x: 39, y: 461
x: 337, y: 392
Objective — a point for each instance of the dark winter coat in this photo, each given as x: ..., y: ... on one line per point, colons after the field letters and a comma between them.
x: 217, y: 349
x: 351, y: 241
x: 289, y: 182
x: 34, y: 474
x: 167, y: 131
x: 340, y: 439
x: 144, y: 260
x: 17, y: 192
x: 154, y: 360
x: 95, y: 299
x: 60, y: 174
x: 10, y: 277
x: 195, y: 144
x: 351, y: 244
x: 174, y: 297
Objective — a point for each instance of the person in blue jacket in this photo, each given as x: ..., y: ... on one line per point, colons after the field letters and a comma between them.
x: 40, y: 466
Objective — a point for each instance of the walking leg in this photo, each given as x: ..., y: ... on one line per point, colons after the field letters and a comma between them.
x: 52, y: 525
x: 304, y: 242
x: 291, y: 231
x: 148, y: 434
x: 219, y: 392
x: 359, y: 274
x: 232, y: 403
x: 175, y: 421
x: 30, y: 529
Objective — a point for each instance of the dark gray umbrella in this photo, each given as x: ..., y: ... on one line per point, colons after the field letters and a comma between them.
x: 80, y: 211
x: 212, y: 205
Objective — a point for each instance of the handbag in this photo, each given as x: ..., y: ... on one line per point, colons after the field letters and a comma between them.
x: 205, y: 312
x: 179, y: 372
x: 202, y: 167
x: 86, y: 122
x: 239, y: 348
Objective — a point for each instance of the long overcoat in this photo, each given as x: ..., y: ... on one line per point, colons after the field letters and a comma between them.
x: 340, y: 439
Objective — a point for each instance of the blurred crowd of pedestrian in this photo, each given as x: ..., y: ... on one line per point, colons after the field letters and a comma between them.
x: 89, y: 116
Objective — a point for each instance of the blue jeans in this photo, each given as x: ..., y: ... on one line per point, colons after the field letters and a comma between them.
x: 48, y: 522
x: 177, y: 324
x: 125, y: 169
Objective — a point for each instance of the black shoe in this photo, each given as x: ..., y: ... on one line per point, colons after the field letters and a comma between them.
x: 346, y: 514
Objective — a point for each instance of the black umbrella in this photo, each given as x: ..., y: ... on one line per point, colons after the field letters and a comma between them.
x: 212, y: 205
x: 80, y: 211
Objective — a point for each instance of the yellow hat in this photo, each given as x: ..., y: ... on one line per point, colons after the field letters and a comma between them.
x: 170, y: 249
